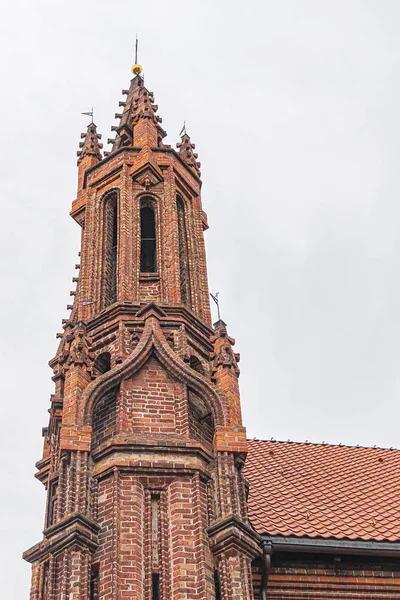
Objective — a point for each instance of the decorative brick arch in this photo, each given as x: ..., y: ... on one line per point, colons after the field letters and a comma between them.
x: 153, y: 341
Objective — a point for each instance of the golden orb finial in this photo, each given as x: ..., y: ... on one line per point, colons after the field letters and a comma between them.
x: 137, y: 69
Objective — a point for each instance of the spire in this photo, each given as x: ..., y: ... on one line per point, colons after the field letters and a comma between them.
x: 90, y: 145
x: 185, y: 150
x: 138, y: 367
x: 144, y: 107
x: 138, y: 108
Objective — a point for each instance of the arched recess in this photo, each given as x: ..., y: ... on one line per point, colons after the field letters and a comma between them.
x: 109, y: 279
x: 201, y: 420
x: 148, y: 237
x: 196, y: 365
x: 102, y: 364
x: 184, y: 270
x: 153, y: 340
x: 104, y: 417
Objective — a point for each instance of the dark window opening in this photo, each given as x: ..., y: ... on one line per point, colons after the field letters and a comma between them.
x: 183, y: 253
x: 196, y: 365
x: 60, y: 385
x: 217, y: 586
x: 147, y: 240
x: 94, y: 583
x: 102, y: 364
x: 155, y: 586
x: 52, y: 505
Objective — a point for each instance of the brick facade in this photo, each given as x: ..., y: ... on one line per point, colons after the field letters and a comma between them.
x: 319, y: 577
x: 145, y: 448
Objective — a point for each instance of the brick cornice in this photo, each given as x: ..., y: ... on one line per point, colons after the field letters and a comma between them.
x: 43, y: 467
x: 163, y: 469
x: 233, y: 535
x: 135, y: 149
x: 173, y: 313
x: 175, y: 154
x: 159, y: 455
x: 76, y: 529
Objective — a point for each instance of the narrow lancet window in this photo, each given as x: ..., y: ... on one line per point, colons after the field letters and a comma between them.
x: 155, y: 581
x: 155, y: 549
x: 217, y: 586
x: 110, y: 250
x: 45, y: 582
x: 148, y: 263
x: 94, y: 583
x: 183, y: 253
x: 52, y: 505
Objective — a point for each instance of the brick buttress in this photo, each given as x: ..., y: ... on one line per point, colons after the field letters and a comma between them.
x: 145, y: 447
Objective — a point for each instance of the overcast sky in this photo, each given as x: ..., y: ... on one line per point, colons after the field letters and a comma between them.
x: 294, y: 109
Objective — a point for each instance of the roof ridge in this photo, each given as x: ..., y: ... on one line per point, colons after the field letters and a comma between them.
x: 322, y: 444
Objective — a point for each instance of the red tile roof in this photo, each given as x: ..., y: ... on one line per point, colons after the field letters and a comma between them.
x: 319, y: 490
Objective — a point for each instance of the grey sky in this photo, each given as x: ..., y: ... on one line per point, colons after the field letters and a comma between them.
x: 293, y: 106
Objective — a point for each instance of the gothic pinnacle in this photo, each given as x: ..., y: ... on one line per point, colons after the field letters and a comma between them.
x: 185, y: 151
x: 90, y: 145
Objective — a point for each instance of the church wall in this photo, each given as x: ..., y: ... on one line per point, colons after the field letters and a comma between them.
x: 151, y: 401
x: 322, y: 577
x: 104, y: 418
x: 153, y: 525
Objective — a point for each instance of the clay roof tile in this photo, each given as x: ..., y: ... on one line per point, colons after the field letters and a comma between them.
x: 321, y: 490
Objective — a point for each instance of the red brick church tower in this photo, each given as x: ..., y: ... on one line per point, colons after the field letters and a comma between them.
x: 144, y: 450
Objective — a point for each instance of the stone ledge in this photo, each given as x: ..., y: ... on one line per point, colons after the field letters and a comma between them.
x: 231, y: 536
x: 76, y: 529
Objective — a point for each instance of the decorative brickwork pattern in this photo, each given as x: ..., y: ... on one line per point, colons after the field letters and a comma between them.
x: 104, y: 419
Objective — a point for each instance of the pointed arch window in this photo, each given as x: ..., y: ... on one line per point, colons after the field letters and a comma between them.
x: 183, y: 253
x: 148, y: 242
x: 110, y: 250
